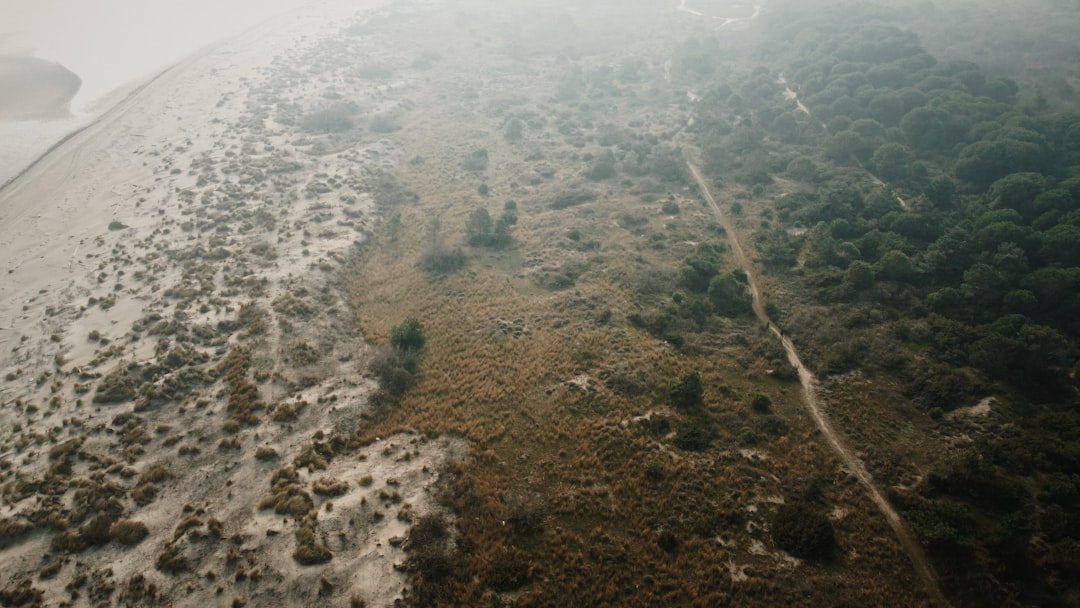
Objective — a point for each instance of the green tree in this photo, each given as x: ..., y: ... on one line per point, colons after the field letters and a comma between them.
x: 729, y: 297
x: 698, y: 269
x: 859, y: 275
x: 478, y: 227
x: 688, y: 391
x: 803, y: 531
x: 1017, y: 191
x: 1061, y: 244
x: 925, y: 128
x: 409, y: 336
x: 892, y: 161
x: 896, y: 266
x: 1016, y: 347
x: 602, y: 166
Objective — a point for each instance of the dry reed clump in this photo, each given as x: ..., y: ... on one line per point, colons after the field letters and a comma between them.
x: 139, y: 591
x: 128, y: 532
x: 244, y: 401
x: 328, y: 486
x: 310, y: 550
x: 265, y: 453
x: 288, y: 412
x: 116, y: 387
x: 315, y: 455
x: 22, y: 594
x: 172, y: 560
x: 287, y: 496
x: 13, y: 530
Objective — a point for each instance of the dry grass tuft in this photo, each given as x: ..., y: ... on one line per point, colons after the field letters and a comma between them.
x: 128, y: 532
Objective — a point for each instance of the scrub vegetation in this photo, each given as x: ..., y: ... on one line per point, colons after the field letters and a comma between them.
x: 503, y: 304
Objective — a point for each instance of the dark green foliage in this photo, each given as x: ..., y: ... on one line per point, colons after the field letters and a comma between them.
x: 966, y: 289
x: 694, y: 435
x: 602, y: 166
x: 1015, y: 346
x: 729, y: 297
x: 482, y: 231
x: 859, y: 275
x: 761, y: 403
x: 943, y: 525
x: 777, y: 249
x: 514, y: 130
x: 802, y: 530
x: 698, y: 269
x: 396, y: 370
x: 478, y: 227
x: 688, y: 391
x: 409, y: 336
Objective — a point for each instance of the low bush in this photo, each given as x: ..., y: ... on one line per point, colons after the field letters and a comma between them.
x: 310, y: 550
x: 687, y: 391
x: 327, y: 486
x: 803, y: 531
x: 128, y: 532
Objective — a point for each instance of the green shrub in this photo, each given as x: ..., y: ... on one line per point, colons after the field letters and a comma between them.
x: 687, y: 391
x: 803, y: 531
x: 761, y: 403
x: 409, y: 336
x: 694, y: 436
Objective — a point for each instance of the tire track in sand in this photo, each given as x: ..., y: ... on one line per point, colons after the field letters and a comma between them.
x: 851, y: 462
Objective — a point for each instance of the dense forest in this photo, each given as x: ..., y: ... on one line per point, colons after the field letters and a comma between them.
x: 936, y: 217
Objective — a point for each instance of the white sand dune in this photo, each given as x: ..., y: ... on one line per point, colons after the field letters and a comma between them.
x: 184, y: 225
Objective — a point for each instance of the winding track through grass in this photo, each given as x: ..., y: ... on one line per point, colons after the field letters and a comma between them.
x: 850, y: 461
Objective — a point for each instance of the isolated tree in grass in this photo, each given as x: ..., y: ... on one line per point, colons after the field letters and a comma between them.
x: 409, y: 336
x: 478, y: 227
x: 729, y: 297
x: 687, y: 391
x: 438, y: 257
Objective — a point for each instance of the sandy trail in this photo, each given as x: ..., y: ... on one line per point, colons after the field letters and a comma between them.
x: 850, y: 461
x: 790, y: 94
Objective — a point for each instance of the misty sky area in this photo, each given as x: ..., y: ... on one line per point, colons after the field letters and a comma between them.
x: 110, y: 42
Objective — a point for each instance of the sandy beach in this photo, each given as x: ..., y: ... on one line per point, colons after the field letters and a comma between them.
x: 171, y: 338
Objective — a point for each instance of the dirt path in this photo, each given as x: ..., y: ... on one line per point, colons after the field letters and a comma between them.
x: 790, y: 94
x: 813, y: 405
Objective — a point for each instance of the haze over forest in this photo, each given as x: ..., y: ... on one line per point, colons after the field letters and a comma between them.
x: 540, y: 303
